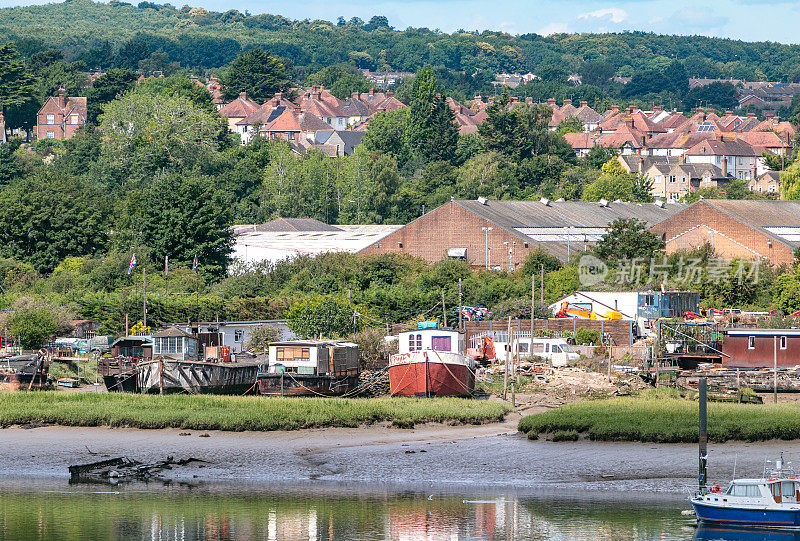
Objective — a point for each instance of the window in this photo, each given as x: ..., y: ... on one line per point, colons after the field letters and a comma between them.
x: 414, y: 342
x: 783, y: 342
x: 683, y: 179
x: 73, y: 119
x: 290, y: 135
x: 283, y: 354
x: 751, y: 342
x: 440, y: 343
x: 51, y: 119
x: 238, y: 335
x: 672, y: 178
x: 556, y: 349
x: 51, y: 135
x: 537, y: 348
x: 522, y: 347
x: 674, y: 196
x: 750, y: 491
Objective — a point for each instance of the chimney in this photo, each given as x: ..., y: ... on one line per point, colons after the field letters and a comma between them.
x: 354, y: 95
x: 584, y: 104
x: 317, y: 95
x: 614, y: 109
x: 371, y: 91
x: 529, y: 101
x: 770, y: 117
x: 640, y: 163
x: 242, y: 95
x: 682, y: 158
x: 390, y: 94
x: 551, y: 101
x: 750, y: 115
x: 567, y: 102
x: 278, y: 97
x: 728, y: 113
x: 656, y: 109
x: 629, y: 109
x: 724, y: 166
x: 62, y: 99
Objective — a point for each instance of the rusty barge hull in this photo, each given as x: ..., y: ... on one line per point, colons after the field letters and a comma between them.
x: 196, y: 377
x: 119, y: 374
x: 22, y: 381
x: 757, y: 380
x: 278, y: 384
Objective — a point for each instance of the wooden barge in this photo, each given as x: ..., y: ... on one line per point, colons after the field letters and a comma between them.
x: 165, y: 375
x: 25, y: 372
x: 310, y: 368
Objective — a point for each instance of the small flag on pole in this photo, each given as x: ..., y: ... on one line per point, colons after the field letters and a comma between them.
x: 166, y: 265
x: 132, y: 264
x: 194, y: 263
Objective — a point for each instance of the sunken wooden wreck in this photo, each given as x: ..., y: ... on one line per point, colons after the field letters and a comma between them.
x: 176, y: 366
x: 25, y: 372
x: 307, y: 367
x: 120, y: 369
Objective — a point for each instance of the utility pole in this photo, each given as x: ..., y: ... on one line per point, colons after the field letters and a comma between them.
x: 533, y: 308
x: 444, y: 310
x: 541, y: 293
x: 775, y: 368
x: 144, y: 296
x: 509, y: 341
x: 460, y: 305
x: 703, y: 436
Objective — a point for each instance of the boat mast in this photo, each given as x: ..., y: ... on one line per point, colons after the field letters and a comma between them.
x: 703, y: 436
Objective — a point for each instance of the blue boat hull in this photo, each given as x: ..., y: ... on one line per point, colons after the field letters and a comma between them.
x: 745, y: 517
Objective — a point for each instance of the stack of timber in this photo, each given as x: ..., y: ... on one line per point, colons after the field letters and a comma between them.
x: 759, y: 380
x: 25, y: 372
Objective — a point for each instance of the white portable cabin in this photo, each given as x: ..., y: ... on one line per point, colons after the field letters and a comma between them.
x: 431, y: 339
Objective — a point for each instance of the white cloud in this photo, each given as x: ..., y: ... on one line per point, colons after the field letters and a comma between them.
x: 615, y: 15
x: 553, y: 28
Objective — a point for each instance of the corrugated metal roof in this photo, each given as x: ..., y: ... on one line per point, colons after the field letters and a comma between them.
x: 761, y: 214
x: 519, y: 214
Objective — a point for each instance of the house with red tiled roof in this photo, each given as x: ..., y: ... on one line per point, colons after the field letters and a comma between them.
x: 355, y: 109
x: 591, y: 119
x: 673, y: 122
x: 293, y: 126
x: 60, y: 117
x: 238, y: 110
x: 249, y: 125
x: 313, y: 103
x: 567, y: 108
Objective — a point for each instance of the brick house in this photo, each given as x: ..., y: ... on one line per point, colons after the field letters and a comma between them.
x: 483, y: 232
x: 769, y: 182
x: 759, y: 229
x: 60, y: 117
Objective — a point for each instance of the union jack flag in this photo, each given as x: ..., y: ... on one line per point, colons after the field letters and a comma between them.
x: 132, y: 264
x: 194, y: 263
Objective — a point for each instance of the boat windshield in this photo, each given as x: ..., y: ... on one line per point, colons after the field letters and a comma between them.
x: 566, y: 348
x: 750, y: 491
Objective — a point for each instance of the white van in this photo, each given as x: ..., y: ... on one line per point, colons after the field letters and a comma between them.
x: 555, y: 350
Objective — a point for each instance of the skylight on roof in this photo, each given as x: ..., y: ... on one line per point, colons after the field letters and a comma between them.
x: 706, y: 127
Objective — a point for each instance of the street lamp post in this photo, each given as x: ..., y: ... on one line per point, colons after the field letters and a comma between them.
x: 486, y: 243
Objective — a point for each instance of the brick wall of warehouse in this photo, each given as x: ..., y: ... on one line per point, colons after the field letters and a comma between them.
x: 453, y: 226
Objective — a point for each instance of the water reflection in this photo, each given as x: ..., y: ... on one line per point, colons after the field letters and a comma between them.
x: 730, y: 533
x: 294, y: 515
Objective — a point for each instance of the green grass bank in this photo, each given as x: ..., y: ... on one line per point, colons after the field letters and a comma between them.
x: 236, y: 413
x: 665, y: 420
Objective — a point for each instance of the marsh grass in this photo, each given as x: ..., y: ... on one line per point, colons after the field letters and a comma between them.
x: 664, y: 417
x: 236, y: 413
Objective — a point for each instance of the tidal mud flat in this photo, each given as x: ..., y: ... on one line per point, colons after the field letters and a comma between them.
x: 483, y: 457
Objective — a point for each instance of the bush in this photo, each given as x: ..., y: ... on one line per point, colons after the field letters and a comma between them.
x: 587, y: 337
x: 565, y: 435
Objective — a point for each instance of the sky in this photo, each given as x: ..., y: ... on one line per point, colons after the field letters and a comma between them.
x: 748, y: 20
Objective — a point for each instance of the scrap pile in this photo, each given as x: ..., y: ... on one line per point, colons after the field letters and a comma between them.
x: 123, y: 469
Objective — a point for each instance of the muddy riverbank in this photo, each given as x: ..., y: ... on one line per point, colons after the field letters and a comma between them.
x: 492, y: 456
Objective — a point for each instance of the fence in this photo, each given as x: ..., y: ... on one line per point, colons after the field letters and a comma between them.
x: 620, y: 330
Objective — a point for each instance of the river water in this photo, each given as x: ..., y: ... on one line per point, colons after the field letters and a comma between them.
x: 79, y: 512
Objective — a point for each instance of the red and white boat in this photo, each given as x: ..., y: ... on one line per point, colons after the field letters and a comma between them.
x: 431, y: 362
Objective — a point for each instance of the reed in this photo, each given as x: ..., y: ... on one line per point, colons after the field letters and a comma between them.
x: 236, y: 413
x: 666, y: 419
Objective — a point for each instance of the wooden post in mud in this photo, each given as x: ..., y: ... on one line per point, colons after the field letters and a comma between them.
x: 460, y: 306
x: 161, y: 376
x: 533, y: 308
x: 775, y: 368
x: 738, y: 388
x: 509, y: 341
x: 126, y: 325
x: 703, y: 435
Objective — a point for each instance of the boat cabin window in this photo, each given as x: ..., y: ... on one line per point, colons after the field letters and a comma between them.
x: 751, y: 342
x: 440, y: 343
x: 414, y: 342
x: 291, y: 354
x: 783, y: 342
x: 547, y: 348
x: 537, y: 348
x: 556, y: 349
x: 751, y: 491
x: 522, y: 347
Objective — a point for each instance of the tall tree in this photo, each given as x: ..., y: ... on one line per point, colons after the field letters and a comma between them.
x: 109, y: 86
x: 628, y: 238
x: 16, y: 82
x: 256, y: 72
x: 180, y: 217
x: 49, y: 216
x: 423, y: 94
x: 519, y: 131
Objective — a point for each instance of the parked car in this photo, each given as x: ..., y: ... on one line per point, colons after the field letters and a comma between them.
x: 100, y: 344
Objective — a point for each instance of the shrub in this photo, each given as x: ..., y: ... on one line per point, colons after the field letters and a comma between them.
x: 565, y: 435
x: 588, y: 337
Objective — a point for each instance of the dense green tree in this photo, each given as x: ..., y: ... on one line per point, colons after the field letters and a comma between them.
x: 32, y: 327
x: 177, y: 86
x: 111, y: 85
x: 716, y: 95
x: 677, y: 78
x: 16, y: 83
x: 324, y: 316
x: 628, y: 238
x: 387, y: 133
x: 645, y: 82
x: 180, y: 217
x: 256, y: 72
x: 572, y: 124
x: 145, y: 133
x: 341, y: 80
x: 519, y: 131
x: 597, y: 73
x: 48, y: 216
